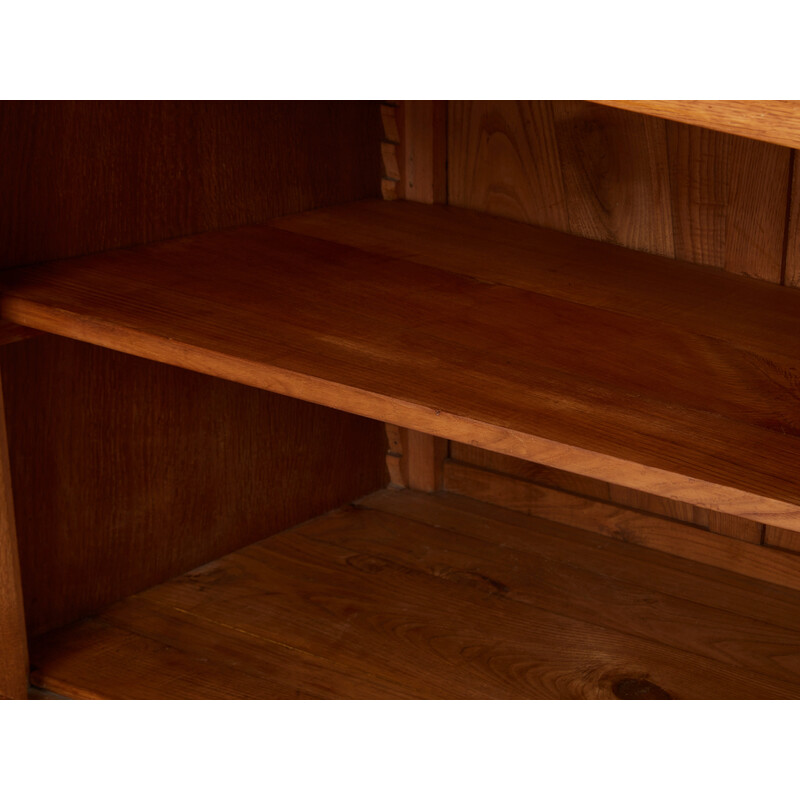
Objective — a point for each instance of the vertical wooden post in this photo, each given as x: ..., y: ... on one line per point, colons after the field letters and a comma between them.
x: 415, y: 460
x: 424, y: 150
x: 13, y: 640
x: 425, y: 457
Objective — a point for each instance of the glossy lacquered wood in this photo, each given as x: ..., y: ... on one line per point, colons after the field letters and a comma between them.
x: 405, y: 595
x: 658, y: 375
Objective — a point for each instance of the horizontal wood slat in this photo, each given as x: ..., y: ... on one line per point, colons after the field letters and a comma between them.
x: 776, y: 121
x: 636, y: 369
x: 411, y: 595
x: 648, y: 530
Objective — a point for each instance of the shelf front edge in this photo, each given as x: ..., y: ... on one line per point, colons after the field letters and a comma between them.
x: 424, y: 418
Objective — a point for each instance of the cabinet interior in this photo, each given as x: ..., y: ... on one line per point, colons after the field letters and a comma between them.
x: 278, y: 374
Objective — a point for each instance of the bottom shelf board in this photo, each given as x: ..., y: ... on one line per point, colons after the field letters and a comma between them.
x: 411, y: 595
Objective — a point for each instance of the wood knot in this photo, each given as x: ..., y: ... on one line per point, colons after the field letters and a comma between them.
x: 638, y: 689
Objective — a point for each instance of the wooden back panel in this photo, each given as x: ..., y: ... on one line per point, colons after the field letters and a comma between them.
x: 616, y: 176
x: 641, y: 182
x: 81, y: 177
x: 128, y: 472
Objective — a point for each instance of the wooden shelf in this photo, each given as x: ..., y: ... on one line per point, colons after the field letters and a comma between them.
x: 776, y: 121
x: 410, y: 595
x: 646, y: 372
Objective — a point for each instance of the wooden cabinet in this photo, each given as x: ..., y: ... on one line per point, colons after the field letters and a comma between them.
x: 571, y: 326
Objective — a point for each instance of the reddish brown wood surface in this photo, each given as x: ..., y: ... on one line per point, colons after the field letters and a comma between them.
x: 633, y: 180
x: 111, y: 452
x: 775, y: 121
x: 80, y: 177
x: 128, y: 472
x: 724, y: 524
x: 736, y: 553
x: 711, y: 420
x: 13, y: 640
x: 423, y: 150
x: 434, y: 596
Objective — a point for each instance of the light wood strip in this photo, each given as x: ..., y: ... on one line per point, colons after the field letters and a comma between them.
x: 13, y: 637
x: 609, y: 520
x: 776, y: 121
x: 778, y: 537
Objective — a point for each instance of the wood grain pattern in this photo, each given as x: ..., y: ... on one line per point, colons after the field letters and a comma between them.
x: 666, y: 574
x: 783, y: 539
x: 424, y: 151
x: 127, y: 472
x: 616, y: 178
x: 89, y: 176
x: 637, y: 181
x: 320, y: 321
x: 728, y: 200
x: 659, y: 533
x: 792, y: 267
x: 776, y: 121
x: 503, y: 160
x: 396, y: 462
x: 13, y: 640
x: 425, y: 455
x: 411, y: 595
x: 726, y: 525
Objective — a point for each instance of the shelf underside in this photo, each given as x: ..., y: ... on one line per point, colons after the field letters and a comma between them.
x: 776, y: 121
x: 407, y: 595
x: 646, y: 372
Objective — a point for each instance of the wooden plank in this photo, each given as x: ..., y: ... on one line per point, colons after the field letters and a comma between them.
x: 424, y: 148
x: 109, y: 452
x: 504, y: 160
x: 792, y: 267
x: 776, y: 121
x: 528, y: 470
x: 13, y: 638
x: 360, y: 602
x: 634, y: 180
x: 661, y: 572
x: 616, y: 177
x: 548, y: 262
x: 783, y: 539
x: 609, y: 520
x: 738, y: 528
x: 87, y: 176
x: 746, y: 530
x: 712, y: 421
x: 728, y: 200
x: 543, y: 570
